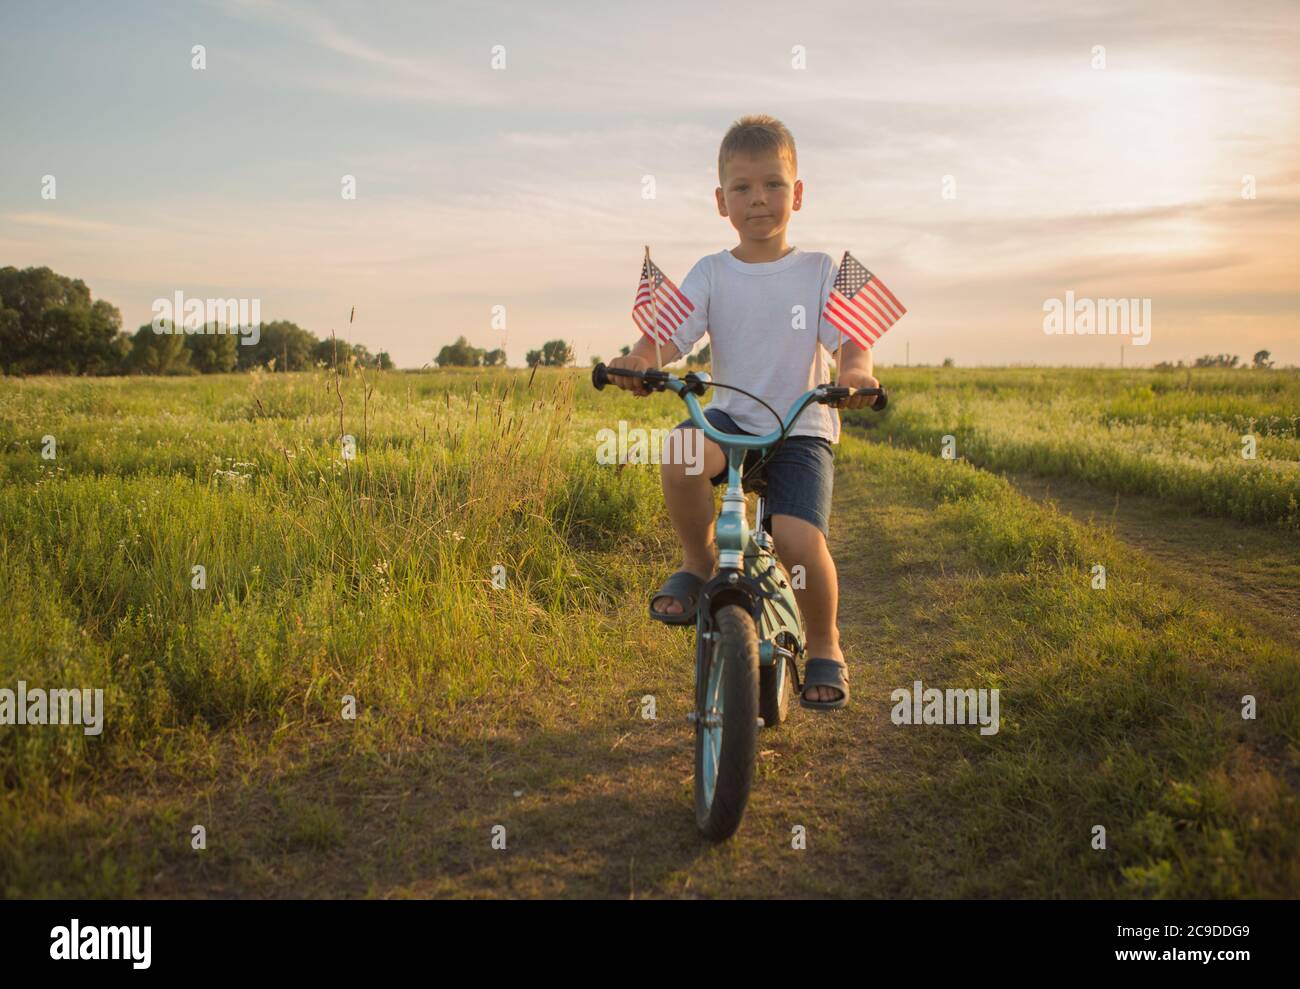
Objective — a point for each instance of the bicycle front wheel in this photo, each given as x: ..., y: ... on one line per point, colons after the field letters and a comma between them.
x: 726, y: 726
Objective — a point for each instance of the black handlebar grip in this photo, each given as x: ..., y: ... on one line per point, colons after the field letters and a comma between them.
x: 599, y: 379
x: 881, y: 401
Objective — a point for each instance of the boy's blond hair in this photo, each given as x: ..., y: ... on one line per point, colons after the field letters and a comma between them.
x: 756, y: 134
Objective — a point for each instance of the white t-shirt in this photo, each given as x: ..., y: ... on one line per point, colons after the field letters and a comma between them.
x: 759, y: 341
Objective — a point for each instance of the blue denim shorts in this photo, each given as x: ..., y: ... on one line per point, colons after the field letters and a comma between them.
x: 799, y: 475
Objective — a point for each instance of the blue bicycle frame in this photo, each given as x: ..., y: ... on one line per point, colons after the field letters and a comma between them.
x: 749, y: 574
x: 732, y: 532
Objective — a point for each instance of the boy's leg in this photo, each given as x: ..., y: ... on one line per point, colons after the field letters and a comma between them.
x: 800, y: 543
x: 689, y: 497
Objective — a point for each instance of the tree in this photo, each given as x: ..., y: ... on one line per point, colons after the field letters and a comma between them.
x: 159, y: 353
x: 534, y: 358
x: 288, y: 344
x: 624, y: 351
x: 118, y: 358
x: 494, y: 358
x: 703, y: 357
x: 383, y: 362
x: 326, y: 351
x: 1262, y: 359
x: 459, y: 354
x: 948, y: 362
x: 595, y: 361
x: 48, y: 323
x: 1217, y: 360
x: 212, y: 352
x: 557, y: 353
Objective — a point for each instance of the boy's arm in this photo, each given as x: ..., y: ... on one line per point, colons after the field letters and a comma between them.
x: 642, y: 358
x: 857, y: 366
x: 857, y: 370
x: 645, y: 349
x: 854, y: 359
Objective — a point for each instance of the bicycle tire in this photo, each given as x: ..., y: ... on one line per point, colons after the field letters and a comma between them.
x: 733, y: 655
x: 774, y: 693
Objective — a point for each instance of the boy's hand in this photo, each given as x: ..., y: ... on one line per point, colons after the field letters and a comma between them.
x: 630, y: 363
x: 855, y: 379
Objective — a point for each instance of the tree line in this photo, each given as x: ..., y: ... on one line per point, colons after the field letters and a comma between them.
x: 1262, y: 360
x: 462, y: 353
x: 554, y: 353
x: 50, y: 325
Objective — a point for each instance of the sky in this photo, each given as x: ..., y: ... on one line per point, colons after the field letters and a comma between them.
x: 981, y: 158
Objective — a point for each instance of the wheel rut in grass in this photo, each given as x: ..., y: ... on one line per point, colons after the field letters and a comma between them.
x: 1255, y: 570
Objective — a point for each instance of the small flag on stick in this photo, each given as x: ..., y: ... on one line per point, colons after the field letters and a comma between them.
x: 860, y: 305
x: 660, y: 306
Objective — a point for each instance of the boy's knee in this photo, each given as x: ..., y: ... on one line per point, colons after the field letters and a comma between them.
x: 688, y: 457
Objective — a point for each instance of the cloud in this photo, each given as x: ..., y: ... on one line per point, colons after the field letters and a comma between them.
x: 57, y: 221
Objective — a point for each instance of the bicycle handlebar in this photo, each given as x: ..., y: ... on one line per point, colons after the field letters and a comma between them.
x: 693, y: 384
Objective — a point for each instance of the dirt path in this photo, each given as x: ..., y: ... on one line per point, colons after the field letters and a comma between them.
x: 596, y: 801
x: 1253, y: 569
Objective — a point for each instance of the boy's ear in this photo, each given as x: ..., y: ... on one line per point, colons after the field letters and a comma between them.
x: 722, y: 201
x: 798, y: 194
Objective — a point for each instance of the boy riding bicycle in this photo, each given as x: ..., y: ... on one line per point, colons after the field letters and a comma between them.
x: 761, y: 304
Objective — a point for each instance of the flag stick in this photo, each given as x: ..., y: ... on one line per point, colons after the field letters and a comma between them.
x: 654, y: 310
x: 839, y: 334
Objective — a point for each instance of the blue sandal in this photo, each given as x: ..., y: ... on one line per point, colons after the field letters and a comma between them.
x: 684, y: 588
x: 825, y: 673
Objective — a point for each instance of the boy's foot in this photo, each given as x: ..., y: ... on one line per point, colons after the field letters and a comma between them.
x: 679, y: 594
x: 820, y: 692
x: 826, y: 684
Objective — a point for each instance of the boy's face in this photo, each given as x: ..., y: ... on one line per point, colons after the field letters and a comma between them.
x: 758, y: 194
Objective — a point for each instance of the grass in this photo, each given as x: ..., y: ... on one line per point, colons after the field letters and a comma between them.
x: 1121, y: 708
x: 372, y: 578
x: 1176, y: 435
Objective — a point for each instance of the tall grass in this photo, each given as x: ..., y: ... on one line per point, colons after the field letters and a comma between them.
x: 1176, y: 435
x: 325, y: 576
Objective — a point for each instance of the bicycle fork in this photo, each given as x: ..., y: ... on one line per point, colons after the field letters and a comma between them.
x: 763, y: 591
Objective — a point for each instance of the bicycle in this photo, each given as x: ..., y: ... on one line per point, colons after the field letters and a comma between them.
x: 749, y: 631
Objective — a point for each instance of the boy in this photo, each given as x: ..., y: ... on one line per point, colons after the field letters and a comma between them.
x: 745, y: 298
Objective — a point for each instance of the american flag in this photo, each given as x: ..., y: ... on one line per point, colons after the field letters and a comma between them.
x: 660, y: 306
x: 860, y: 305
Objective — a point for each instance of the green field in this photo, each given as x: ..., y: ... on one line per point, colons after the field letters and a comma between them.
x: 479, y: 705
x: 1175, y: 435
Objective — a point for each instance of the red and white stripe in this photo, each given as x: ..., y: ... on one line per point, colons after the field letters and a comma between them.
x: 658, y: 312
x: 865, y: 314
